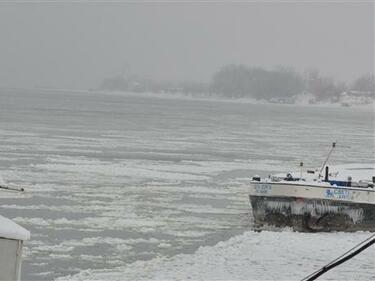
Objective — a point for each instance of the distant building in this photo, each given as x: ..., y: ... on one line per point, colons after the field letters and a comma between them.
x: 356, y: 98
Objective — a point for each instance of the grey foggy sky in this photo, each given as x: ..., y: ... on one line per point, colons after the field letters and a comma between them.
x: 76, y: 45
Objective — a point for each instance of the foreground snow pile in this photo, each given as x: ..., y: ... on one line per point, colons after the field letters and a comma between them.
x: 252, y: 256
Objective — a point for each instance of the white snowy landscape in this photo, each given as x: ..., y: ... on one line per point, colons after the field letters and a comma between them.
x: 135, y: 134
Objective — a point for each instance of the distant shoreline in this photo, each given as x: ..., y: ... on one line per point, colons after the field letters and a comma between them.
x: 180, y: 96
x: 234, y: 100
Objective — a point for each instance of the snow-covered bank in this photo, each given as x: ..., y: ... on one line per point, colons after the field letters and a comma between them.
x: 252, y: 256
x: 300, y: 100
x: 367, y: 103
x: 180, y: 96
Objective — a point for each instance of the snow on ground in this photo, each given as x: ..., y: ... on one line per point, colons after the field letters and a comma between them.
x: 252, y: 256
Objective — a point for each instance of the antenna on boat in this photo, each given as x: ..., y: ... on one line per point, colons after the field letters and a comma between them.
x: 325, y: 162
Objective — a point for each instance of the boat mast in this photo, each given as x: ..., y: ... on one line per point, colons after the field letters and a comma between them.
x: 325, y: 162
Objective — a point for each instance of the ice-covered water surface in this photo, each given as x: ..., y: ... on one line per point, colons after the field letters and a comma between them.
x: 252, y: 256
x: 114, y: 179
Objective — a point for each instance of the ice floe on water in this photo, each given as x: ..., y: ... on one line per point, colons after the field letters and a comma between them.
x: 149, y: 181
x: 252, y: 256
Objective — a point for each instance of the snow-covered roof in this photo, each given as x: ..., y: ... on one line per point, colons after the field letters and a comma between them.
x: 11, y: 230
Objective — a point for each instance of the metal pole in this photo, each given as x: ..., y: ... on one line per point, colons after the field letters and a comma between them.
x: 325, y: 162
x: 343, y: 258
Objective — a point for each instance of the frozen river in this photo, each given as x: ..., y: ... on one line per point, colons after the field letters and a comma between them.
x: 124, y: 182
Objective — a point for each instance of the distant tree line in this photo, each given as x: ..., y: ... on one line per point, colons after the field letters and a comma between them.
x: 240, y: 81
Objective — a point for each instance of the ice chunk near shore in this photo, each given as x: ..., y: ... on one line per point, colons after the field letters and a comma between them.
x: 251, y: 256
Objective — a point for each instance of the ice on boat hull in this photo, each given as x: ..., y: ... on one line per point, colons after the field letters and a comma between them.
x: 310, y: 215
x: 312, y: 204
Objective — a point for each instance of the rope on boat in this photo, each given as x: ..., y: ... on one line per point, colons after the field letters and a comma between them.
x: 343, y: 258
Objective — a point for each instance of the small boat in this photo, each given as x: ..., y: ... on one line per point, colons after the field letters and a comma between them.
x: 341, y: 200
x: 12, y: 237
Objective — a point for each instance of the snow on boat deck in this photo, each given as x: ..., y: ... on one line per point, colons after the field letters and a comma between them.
x: 252, y: 256
x: 357, y: 171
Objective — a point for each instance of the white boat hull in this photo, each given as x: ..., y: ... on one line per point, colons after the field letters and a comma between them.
x: 320, y: 207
